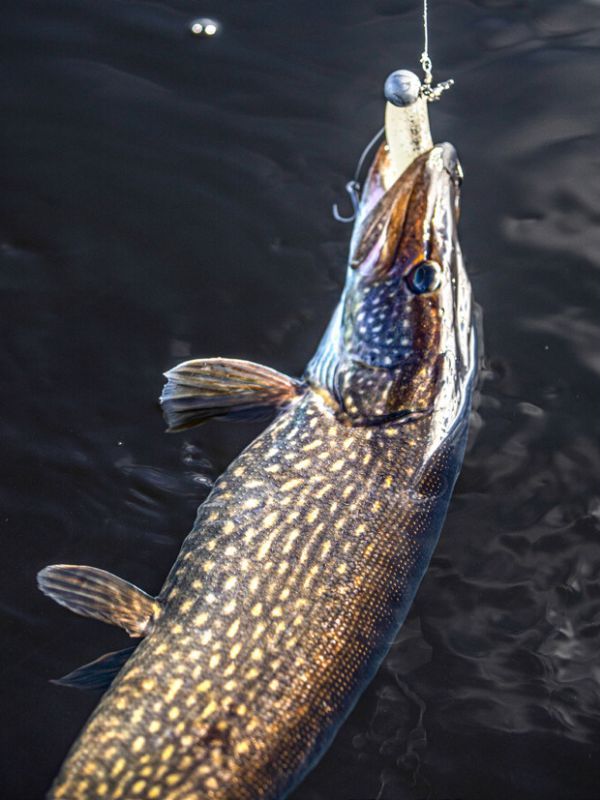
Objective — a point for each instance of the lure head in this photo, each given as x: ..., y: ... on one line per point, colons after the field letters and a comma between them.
x: 399, y: 345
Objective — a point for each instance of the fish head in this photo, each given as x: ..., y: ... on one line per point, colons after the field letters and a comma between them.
x: 399, y: 345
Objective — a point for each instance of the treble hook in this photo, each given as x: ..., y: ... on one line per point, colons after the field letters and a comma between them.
x: 353, y: 189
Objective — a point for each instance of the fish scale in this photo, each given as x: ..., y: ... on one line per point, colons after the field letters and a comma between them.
x: 289, y: 631
x: 305, y: 557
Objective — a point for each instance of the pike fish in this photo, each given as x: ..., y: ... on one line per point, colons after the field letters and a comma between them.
x: 305, y: 557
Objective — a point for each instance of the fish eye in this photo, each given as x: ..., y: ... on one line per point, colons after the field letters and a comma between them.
x: 425, y: 277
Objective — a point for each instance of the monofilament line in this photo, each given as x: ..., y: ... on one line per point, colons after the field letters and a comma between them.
x: 425, y: 59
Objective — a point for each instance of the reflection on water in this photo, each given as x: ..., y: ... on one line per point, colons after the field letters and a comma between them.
x: 168, y: 196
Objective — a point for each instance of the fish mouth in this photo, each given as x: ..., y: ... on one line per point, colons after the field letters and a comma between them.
x: 414, y: 220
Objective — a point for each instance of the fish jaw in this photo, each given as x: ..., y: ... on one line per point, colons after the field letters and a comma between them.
x: 391, y: 350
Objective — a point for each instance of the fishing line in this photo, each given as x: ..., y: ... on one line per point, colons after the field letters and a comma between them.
x: 427, y: 90
x: 425, y: 59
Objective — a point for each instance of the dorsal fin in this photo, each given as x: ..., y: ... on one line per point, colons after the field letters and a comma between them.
x: 95, y: 593
x: 98, y: 674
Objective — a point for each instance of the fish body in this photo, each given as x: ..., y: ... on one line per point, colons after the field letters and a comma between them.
x: 305, y: 557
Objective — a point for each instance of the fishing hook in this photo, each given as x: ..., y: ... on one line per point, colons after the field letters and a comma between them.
x: 353, y: 187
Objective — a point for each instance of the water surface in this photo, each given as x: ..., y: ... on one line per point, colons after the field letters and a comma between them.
x: 167, y: 196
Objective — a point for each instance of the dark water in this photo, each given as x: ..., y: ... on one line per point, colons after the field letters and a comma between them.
x: 166, y: 196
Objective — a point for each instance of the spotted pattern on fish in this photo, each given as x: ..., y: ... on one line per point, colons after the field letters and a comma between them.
x: 298, y: 569
x: 305, y: 557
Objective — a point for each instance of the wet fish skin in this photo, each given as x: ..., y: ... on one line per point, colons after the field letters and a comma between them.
x: 236, y: 695
x: 306, y: 556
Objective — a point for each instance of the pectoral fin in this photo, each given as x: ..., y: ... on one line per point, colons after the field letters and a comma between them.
x: 223, y: 388
x: 98, y: 674
x: 95, y: 593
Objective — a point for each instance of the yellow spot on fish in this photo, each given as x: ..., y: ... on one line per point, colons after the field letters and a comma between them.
x: 203, y: 687
x: 312, y: 445
x: 209, y: 709
x: 360, y: 530
x: 292, y: 536
x: 214, y: 661
x: 154, y: 793
x: 201, y: 618
x: 229, y: 607
x: 337, y: 465
x: 233, y: 629
x: 291, y: 484
x: 205, y: 636
x: 259, y: 630
x: 154, y: 726
x: 273, y: 468
x: 167, y: 753
x: 277, y: 611
x: 312, y: 515
x: 388, y: 481
x: 323, y: 491
x: 138, y: 787
x: 208, y: 566
x: 138, y: 744
x: 252, y: 673
x: 185, y: 607
x: 102, y: 789
x: 174, y: 712
x: 274, y: 685
x: 174, y: 686
x: 118, y: 767
x: 229, y: 527
x: 235, y: 650
x: 252, y: 502
x: 249, y: 535
x: 254, y: 583
x: 342, y: 569
x: 376, y: 506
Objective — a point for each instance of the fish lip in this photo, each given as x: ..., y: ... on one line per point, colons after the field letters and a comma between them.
x: 450, y: 162
x: 442, y: 163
